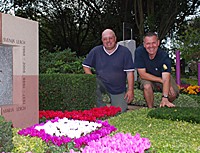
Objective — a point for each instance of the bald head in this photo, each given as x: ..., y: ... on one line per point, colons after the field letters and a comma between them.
x: 108, y: 32
x: 109, y: 40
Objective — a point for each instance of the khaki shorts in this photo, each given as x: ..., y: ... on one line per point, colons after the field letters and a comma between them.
x: 158, y: 86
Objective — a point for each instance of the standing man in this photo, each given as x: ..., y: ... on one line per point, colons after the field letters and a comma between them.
x: 154, y: 68
x: 114, y: 65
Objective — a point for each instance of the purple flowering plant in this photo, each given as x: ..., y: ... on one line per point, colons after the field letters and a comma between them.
x: 104, y: 130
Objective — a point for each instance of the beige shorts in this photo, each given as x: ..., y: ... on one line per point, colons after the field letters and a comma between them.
x: 158, y: 86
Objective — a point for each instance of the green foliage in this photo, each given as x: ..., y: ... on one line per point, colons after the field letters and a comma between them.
x: 189, y: 114
x: 24, y: 144
x: 166, y: 136
x: 59, y: 61
x: 67, y: 92
x: 189, y: 81
x: 188, y: 41
x: 78, y: 24
x: 56, y: 149
x: 6, y: 144
x: 182, y: 101
x: 196, y: 98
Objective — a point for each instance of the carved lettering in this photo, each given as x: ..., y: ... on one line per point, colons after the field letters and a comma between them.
x: 21, y: 108
x: 8, y: 110
x: 13, y: 41
x: 20, y: 42
x: 24, y: 67
x: 24, y: 60
x: 9, y: 40
x: 24, y: 51
x: 24, y: 90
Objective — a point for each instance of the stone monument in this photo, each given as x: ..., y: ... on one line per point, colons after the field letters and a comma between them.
x: 19, y: 84
x: 131, y: 45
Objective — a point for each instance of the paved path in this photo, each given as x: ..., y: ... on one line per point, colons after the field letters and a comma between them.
x: 131, y: 107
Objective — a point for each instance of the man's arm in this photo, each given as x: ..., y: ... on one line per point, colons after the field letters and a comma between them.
x: 129, y: 96
x: 165, y: 80
x: 166, y: 85
x: 146, y: 76
x: 87, y: 70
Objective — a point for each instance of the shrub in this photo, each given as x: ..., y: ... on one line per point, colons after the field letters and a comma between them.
x: 67, y: 92
x: 182, y: 101
x: 5, y: 135
x: 60, y: 61
x: 189, y: 114
x: 24, y: 144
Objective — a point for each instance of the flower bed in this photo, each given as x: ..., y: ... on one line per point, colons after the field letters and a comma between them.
x: 119, y: 143
x: 54, y: 131
x: 86, y: 135
x: 189, y: 89
x: 86, y: 115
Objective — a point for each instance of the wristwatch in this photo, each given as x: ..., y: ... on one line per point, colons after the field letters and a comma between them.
x: 165, y: 96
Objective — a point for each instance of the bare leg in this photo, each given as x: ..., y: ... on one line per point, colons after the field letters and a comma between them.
x: 173, y: 90
x: 172, y: 94
x: 149, y: 95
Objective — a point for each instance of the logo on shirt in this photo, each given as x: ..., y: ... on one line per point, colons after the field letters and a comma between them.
x: 164, y: 67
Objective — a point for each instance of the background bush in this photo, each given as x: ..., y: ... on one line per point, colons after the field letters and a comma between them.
x: 67, y: 92
x: 60, y: 61
x: 5, y: 135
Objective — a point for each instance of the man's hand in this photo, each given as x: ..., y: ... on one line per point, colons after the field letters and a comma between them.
x: 129, y: 96
x: 165, y: 102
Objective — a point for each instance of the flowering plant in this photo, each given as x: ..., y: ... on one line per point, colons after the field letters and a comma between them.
x: 86, y: 135
x: 118, y: 143
x: 56, y: 131
x: 189, y: 89
x: 87, y: 115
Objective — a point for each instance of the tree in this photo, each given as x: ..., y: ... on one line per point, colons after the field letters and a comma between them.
x: 188, y: 41
x: 6, y: 6
x: 77, y: 24
x: 162, y: 16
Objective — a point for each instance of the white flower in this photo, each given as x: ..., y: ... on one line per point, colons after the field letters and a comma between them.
x: 70, y: 128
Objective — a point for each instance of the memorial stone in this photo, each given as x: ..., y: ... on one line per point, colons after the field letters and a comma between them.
x: 19, y: 99
x: 131, y: 45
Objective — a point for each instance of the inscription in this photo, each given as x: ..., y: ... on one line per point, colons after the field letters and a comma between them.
x: 24, y: 90
x: 13, y: 41
x: 8, y: 110
x: 21, y: 108
x: 24, y: 51
x: 24, y: 60
x: 20, y: 42
x: 9, y: 40
x: 24, y: 67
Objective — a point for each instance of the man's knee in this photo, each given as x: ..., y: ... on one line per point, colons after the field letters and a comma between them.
x: 145, y: 84
x: 171, y: 98
x: 147, y: 87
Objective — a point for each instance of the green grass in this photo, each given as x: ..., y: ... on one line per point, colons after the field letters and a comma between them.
x: 166, y: 136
